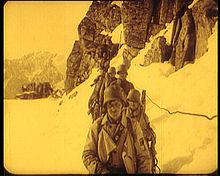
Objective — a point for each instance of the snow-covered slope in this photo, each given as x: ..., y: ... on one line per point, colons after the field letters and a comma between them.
x: 48, y: 135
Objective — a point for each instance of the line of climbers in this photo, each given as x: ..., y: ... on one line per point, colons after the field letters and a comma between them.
x: 120, y: 139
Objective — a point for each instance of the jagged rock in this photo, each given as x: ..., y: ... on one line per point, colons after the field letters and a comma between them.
x: 180, y: 6
x: 156, y: 11
x: 166, y: 11
x: 98, y: 12
x: 113, y: 18
x: 84, y: 57
x: 34, y: 91
x: 73, y: 64
x: 163, y: 11
x: 184, y: 40
x: 141, y: 19
x: 44, y: 90
x: 100, y: 16
x: 205, y: 14
x: 154, y: 29
x: 74, y: 59
x: 80, y: 62
x: 87, y: 31
x: 69, y: 84
x: 136, y: 16
x: 159, y: 52
x: 29, y: 87
x: 74, y: 78
x: 128, y: 54
x: 105, y: 15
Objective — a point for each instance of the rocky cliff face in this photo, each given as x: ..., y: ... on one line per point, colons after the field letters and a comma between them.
x: 205, y: 14
x: 34, y: 67
x: 141, y: 20
x: 191, y: 30
x: 86, y: 53
x: 159, y: 51
x: 184, y: 40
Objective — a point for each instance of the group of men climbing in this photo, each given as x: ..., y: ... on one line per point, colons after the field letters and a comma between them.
x: 120, y: 139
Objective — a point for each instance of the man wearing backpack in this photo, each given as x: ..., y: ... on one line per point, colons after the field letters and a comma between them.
x: 136, y: 111
x: 115, y: 143
x: 110, y: 76
x: 122, y: 81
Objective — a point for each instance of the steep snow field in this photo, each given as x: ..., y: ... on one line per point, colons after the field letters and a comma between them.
x: 48, y: 135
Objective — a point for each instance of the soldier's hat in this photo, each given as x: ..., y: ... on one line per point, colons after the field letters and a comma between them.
x: 112, y: 70
x: 122, y: 69
x: 134, y: 95
x: 114, y: 92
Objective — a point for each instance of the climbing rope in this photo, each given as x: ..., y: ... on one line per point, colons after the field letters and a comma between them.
x: 181, y: 112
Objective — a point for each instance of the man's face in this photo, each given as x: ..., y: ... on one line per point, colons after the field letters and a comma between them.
x: 133, y: 105
x: 114, y: 109
x: 122, y: 75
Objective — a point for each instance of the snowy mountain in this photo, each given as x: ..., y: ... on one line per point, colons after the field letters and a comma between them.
x: 33, y: 67
x: 48, y: 135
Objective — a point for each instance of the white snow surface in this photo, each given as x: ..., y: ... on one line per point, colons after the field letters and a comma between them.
x: 48, y: 135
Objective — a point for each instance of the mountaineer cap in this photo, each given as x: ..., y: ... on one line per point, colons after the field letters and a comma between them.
x: 114, y: 92
x: 134, y: 95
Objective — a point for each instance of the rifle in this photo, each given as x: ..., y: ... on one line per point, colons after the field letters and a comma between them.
x: 152, y: 134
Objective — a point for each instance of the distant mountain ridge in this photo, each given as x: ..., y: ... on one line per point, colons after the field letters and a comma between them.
x: 36, y: 67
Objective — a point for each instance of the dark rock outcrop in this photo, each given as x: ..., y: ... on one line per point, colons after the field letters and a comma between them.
x: 205, y: 14
x: 163, y: 12
x: 98, y: 12
x: 113, y: 18
x: 44, y: 90
x: 159, y: 51
x: 35, y: 91
x: 87, y: 52
x: 136, y: 17
x: 183, y: 44
x: 154, y: 29
x: 166, y: 11
x: 180, y: 6
x: 87, y: 32
x: 190, y: 33
x: 73, y: 64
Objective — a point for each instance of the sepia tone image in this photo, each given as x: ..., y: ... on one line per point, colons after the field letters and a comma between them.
x: 102, y: 87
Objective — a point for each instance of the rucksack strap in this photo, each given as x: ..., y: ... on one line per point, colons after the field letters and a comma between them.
x: 130, y: 127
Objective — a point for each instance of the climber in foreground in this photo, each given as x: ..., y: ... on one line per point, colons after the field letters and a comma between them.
x: 115, y: 142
